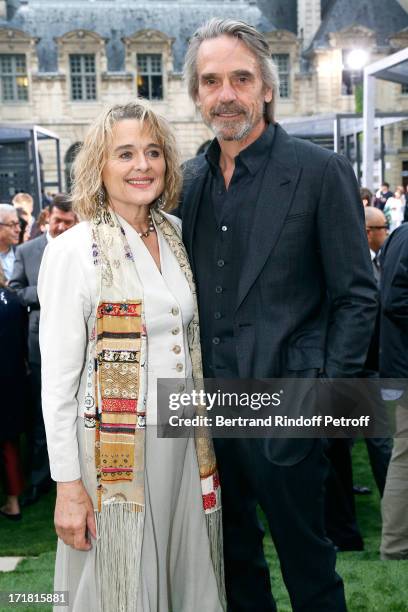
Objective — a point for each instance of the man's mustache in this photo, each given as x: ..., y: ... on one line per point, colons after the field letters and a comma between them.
x: 230, y: 108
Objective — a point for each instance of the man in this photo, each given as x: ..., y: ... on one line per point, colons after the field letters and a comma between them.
x: 9, y: 235
x: 379, y: 449
x: 377, y: 232
x: 24, y: 281
x: 394, y: 364
x: 263, y: 214
x: 382, y: 195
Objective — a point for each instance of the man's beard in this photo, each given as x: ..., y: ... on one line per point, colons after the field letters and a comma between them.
x: 233, y: 129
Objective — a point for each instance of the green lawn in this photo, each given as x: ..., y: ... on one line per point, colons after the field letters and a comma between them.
x: 371, y: 585
x: 33, y: 537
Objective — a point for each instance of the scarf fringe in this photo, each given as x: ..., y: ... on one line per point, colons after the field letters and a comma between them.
x: 214, y: 530
x: 118, y: 555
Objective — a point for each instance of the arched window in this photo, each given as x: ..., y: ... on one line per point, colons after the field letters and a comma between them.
x: 70, y: 155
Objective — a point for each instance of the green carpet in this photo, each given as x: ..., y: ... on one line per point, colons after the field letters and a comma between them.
x: 33, y: 537
x: 371, y: 585
x: 31, y: 575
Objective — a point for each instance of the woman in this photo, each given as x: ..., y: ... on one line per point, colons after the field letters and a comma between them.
x: 394, y: 209
x: 118, y: 310
x: 40, y: 225
x: 366, y: 197
x: 13, y: 377
x: 24, y: 203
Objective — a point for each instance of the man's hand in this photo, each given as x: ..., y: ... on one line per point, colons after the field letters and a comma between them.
x: 74, y: 515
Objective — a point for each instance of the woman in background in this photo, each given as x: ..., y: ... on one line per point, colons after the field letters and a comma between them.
x: 366, y: 197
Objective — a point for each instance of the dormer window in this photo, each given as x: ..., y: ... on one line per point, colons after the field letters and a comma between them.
x: 13, y: 77
x: 150, y: 76
x: 285, y: 48
x: 148, y: 56
x: 282, y: 61
x: 83, y: 76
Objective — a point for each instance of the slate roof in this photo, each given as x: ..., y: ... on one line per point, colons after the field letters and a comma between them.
x: 385, y: 17
x: 116, y: 19
x: 282, y: 13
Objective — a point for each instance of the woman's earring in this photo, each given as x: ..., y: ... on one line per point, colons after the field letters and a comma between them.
x: 101, y: 197
x: 159, y: 202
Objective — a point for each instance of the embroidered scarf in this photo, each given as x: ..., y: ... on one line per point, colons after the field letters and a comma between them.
x: 115, y: 412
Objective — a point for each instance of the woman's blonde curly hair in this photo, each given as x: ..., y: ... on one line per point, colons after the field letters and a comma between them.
x: 90, y: 161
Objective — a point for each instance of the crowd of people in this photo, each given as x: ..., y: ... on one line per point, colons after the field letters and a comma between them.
x: 392, y: 203
x: 22, y: 243
x: 274, y: 260
x: 386, y: 359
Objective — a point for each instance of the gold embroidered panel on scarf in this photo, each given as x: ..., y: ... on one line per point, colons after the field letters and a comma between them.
x: 119, y: 327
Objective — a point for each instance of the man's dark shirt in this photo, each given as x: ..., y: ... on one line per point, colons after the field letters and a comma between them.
x: 223, y: 231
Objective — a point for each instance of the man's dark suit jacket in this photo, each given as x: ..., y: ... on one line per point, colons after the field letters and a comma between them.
x: 306, y: 295
x: 24, y: 282
x: 394, y: 305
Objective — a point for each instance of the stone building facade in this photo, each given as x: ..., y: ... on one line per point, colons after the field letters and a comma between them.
x: 62, y: 61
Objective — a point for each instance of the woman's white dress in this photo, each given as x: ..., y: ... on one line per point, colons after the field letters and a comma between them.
x: 176, y: 570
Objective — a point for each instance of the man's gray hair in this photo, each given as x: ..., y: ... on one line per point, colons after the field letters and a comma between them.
x: 252, y: 39
x: 6, y: 209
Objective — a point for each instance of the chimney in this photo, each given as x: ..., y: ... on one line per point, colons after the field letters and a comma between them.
x: 3, y: 9
x: 308, y: 20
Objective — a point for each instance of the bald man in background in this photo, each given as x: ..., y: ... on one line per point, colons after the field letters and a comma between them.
x: 377, y: 232
x: 379, y: 449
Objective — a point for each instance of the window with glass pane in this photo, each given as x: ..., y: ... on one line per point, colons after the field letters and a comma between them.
x: 404, y: 89
x: 13, y: 78
x: 282, y: 62
x: 83, y: 76
x: 150, y: 76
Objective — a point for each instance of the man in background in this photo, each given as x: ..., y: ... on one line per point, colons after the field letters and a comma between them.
x: 9, y: 236
x: 379, y: 449
x: 24, y: 282
x: 394, y: 365
x: 382, y: 196
x: 377, y: 232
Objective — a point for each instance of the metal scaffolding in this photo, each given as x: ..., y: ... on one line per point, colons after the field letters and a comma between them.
x: 342, y: 132
x: 23, y: 172
x: 392, y: 68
